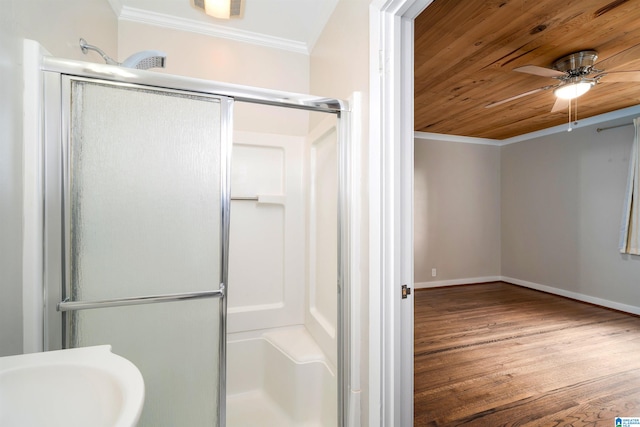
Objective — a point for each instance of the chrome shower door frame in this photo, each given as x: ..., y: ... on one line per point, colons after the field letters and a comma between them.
x: 55, y: 71
x: 58, y: 303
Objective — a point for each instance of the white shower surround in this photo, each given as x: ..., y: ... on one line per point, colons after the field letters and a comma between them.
x: 283, y: 246
x: 282, y: 350
x: 266, y: 265
x: 280, y: 378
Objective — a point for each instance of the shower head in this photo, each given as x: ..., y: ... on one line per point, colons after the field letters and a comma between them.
x: 145, y: 60
x: 141, y: 60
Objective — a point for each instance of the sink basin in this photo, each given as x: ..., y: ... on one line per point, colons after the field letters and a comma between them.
x: 77, y: 387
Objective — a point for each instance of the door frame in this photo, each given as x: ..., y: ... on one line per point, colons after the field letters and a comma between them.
x: 391, y: 210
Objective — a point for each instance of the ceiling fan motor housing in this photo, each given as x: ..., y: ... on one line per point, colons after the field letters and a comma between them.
x: 577, y: 64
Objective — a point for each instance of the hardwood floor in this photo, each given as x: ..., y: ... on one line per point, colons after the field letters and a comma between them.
x: 501, y: 355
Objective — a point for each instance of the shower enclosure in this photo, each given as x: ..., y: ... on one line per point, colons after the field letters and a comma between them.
x: 217, y: 263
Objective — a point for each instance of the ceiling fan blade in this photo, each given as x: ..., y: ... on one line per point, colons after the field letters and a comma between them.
x: 522, y: 95
x: 624, y: 57
x: 560, y: 104
x: 540, y: 71
x: 621, y: 76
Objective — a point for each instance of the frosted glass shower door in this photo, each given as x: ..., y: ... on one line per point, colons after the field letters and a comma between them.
x: 144, y: 232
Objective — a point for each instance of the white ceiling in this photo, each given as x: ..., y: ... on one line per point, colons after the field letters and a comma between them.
x: 293, y: 25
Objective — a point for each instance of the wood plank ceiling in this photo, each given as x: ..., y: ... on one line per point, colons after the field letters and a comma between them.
x: 466, y: 50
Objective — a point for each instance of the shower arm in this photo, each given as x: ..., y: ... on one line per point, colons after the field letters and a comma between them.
x: 87, y: 47
x: 140, y: 60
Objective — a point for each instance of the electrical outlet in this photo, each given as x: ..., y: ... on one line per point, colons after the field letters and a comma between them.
x: 433, y: 272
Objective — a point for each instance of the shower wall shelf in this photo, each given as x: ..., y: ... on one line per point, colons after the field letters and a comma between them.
x: 261, y: 198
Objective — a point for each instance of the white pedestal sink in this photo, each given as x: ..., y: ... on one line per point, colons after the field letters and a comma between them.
x: 77, y: 387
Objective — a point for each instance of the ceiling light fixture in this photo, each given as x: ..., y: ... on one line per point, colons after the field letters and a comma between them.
x: 573, y: 88
x: 222, y: 9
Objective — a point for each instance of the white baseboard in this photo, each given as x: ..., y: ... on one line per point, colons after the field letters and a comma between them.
x: 574, y: 295
x: 454, y: 282
x: 544, y: 288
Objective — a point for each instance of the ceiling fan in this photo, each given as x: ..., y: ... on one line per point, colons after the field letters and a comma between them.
x: 578, y: 72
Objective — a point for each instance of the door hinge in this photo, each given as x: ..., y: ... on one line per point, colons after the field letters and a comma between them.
x: 406, y: 291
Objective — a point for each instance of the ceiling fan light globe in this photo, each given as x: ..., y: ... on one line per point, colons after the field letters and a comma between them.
x: 572, y: 90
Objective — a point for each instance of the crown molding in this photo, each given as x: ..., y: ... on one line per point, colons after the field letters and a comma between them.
x: 141, y: 16
x: 629, y: 112
x: 456, y: 138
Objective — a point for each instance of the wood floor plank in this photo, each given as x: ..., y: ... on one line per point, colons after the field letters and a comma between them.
x: 501, y: 355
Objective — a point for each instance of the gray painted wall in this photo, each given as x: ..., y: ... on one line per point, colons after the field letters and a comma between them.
x: 57, y: 26
x: 558, y: 207
x: 561, y: 211
x: 457, y: 210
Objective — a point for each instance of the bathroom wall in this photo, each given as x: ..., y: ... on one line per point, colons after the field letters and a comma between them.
x: 212, y: 58
x: 57, y: 26
x: 340, y: 57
